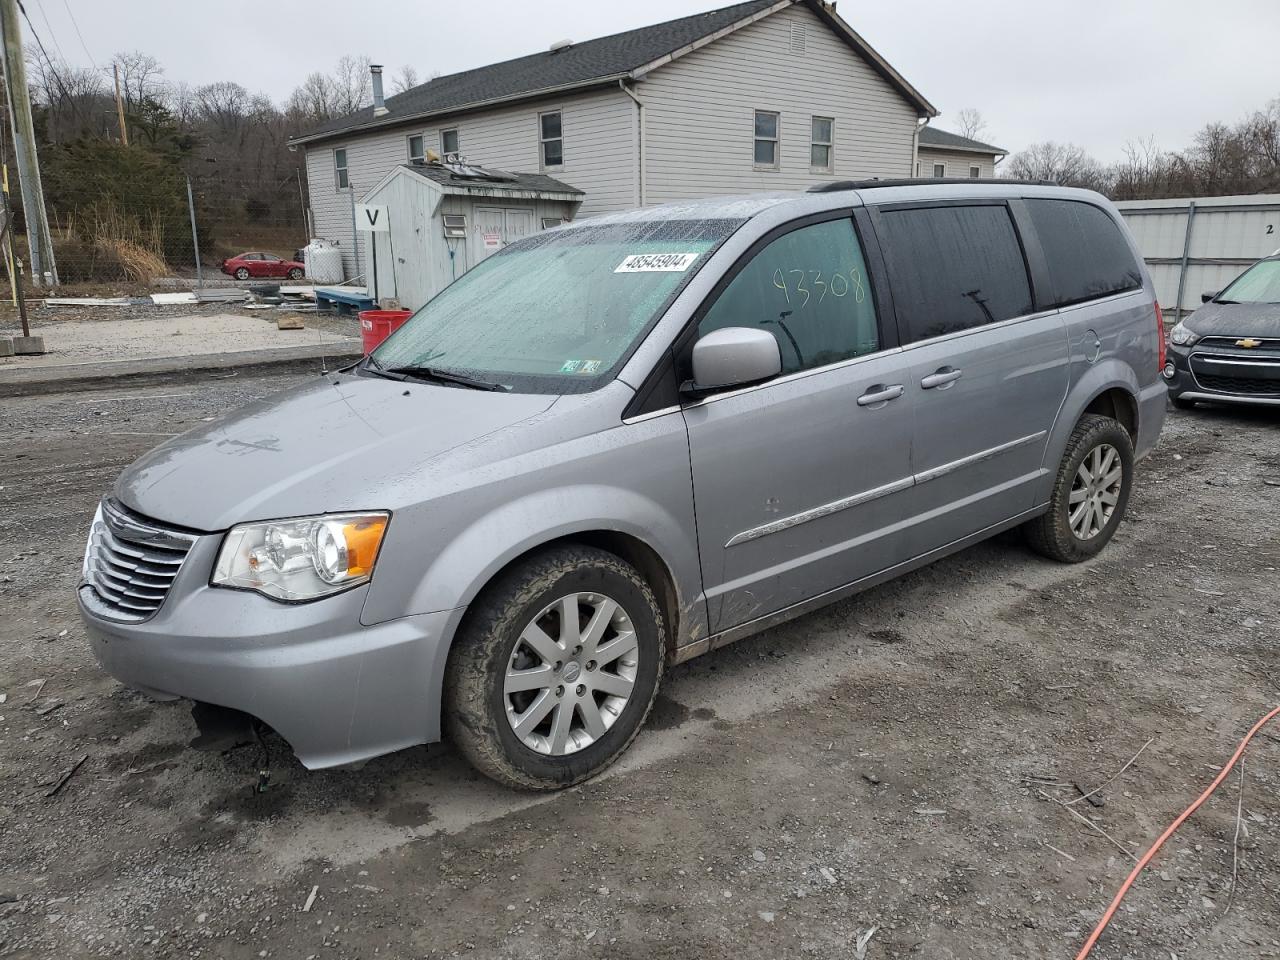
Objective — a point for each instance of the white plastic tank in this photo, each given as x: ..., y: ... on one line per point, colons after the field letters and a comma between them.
x: 323, y: 261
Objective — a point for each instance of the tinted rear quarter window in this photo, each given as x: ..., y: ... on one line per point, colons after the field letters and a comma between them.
x: 1087, y: 254
x: 953, y: 268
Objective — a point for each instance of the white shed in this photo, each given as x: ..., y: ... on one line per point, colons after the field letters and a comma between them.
x: 444, y: 218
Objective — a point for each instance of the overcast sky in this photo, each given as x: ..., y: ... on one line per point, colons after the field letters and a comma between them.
x: 1095, y: 72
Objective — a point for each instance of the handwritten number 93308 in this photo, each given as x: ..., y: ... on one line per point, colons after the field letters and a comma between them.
x: 810, y: 284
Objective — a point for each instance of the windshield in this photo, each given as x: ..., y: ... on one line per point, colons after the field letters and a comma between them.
x: 560, y: 311
x: 1259, y: 284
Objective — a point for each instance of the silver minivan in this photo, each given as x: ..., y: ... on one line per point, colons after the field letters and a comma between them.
x: 619, y: 444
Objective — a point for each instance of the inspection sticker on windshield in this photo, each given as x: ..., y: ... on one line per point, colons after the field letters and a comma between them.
x: 660, y: 262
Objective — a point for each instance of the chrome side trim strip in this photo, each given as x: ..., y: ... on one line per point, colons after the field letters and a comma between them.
x: 941, y: 471
x: 825, y: 510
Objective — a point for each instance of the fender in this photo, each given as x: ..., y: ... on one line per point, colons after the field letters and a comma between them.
x: 470, y: 561
x: 1105, y: 375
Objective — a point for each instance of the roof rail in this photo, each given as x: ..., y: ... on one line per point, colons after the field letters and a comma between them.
x: 837, y: 185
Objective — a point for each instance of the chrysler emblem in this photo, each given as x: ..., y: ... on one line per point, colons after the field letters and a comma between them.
x: 1248, y: 343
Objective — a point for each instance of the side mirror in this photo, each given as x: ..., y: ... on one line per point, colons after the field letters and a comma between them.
x: 1208, y: 295
x: 733, y: 357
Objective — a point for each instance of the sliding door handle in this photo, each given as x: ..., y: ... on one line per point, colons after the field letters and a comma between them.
x: 943, y: 377
x: 881, y: 393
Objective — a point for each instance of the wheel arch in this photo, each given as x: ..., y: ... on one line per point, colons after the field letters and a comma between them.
x: 1109, y: 388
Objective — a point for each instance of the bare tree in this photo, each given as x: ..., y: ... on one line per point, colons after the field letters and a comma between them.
x: 1063, y: 163
x: 352, y: 84
x: 141, y: 76
x: 406, y: 78
x: 322, y: 97
x: 969, y: 123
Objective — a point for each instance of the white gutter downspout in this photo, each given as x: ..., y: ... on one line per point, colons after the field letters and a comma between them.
x: 640, y: 180
x: 915, y: 146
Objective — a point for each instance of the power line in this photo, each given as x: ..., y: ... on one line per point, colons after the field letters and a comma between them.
x: 47, y: 59
x: 83, y: 45
x: 56, y: 45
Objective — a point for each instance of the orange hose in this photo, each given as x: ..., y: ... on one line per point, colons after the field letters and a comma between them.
x: 1155, y: 847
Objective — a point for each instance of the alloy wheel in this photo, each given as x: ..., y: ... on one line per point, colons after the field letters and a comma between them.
x: 571, y: 674
x: 1095, y: 491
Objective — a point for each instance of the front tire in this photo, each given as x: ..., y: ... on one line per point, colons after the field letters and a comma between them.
x: 1090, y: 492
x: 242, y: 273
x: 555, y: 669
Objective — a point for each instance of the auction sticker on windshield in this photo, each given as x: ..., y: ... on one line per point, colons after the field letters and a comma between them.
x: 656, y: 262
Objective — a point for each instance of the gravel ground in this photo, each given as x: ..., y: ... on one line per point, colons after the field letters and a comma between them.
x: 887, y: 764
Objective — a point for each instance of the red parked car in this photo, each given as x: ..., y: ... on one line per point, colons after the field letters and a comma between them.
x: 246, y: 265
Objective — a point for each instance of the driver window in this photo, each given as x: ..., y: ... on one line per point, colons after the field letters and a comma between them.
x: 809, y: 288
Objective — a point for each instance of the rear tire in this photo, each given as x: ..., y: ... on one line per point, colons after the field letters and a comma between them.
x: 537, y: 701
x: 295, y: 273
x: 1089, y: 498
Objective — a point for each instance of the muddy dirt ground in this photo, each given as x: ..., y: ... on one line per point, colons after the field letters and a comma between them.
x: 889, y: 763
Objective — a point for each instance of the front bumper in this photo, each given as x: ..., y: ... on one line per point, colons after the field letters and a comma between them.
x: 1183, y: 383
x: 337, y: 690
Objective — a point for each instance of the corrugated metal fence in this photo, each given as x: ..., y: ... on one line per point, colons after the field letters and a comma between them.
x: 1193, y: 245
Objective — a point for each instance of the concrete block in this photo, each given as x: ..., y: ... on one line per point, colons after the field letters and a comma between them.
x: 24, y: 346
x: 6, y: 347
x: 290, y: 321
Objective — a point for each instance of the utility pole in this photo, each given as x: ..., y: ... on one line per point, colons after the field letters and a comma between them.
x: 43, y: 267
x: 124, y: 131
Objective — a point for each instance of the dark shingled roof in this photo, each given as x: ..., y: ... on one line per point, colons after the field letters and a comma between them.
x: 512, y: 181
x: 933, y: 137
x: 592, y: 61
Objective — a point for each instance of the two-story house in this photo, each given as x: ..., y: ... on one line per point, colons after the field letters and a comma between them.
x: 945, y: 154
x: 762, y: 95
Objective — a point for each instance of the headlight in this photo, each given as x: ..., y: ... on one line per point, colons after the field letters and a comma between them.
x: 301, y: 559
x: 1182, y: 335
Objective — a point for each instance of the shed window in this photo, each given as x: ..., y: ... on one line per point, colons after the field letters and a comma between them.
x: 340, y: 168
x: 975, y: 173
x: 549, y: 223
x: 416, y: 152
x: 820, y: 143
x: 449, y: 141
x: 550, y: 132
x: 766, y: 139
x: 939, y: 169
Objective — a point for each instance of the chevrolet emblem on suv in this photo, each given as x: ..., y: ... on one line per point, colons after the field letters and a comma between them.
x: 1248, y: 343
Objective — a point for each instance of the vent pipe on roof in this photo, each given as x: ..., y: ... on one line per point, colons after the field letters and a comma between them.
x: 561, y: 45
x: 379, y: 105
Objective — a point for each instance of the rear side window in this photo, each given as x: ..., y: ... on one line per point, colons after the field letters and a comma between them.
x: 1086, y: 252
x: 809, y: 289
x: 953, y: 268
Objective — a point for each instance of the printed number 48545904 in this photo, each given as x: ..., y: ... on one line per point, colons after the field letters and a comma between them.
x: 810, y: 284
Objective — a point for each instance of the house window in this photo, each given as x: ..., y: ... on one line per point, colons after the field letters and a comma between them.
x: 766, y: 136
x: 340, y: 169
x: 549, y: 132
x: 448, y: 141
x: 975, y: 173
x: 939, y: 169
x: 820, y: 143
x: 417, y: 153
x: 550, y: 223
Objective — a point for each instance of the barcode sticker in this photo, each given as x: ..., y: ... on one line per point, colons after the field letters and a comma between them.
x: 651, y: 262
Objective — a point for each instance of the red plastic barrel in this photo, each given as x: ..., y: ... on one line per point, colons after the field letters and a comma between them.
x: 377, y: 325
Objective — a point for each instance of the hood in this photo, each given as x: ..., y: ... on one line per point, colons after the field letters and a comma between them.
x: 340, y: 443
x: 1260, y: 320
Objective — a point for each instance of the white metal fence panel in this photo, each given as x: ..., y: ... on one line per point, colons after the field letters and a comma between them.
x: 1196, y: 244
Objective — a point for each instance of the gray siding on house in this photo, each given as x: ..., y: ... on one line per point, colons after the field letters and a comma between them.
x: 957, y: 162
x: 700, y: 112
x: 599, y: 131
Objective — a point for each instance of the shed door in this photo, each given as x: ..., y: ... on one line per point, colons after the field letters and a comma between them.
x: 495, y: 227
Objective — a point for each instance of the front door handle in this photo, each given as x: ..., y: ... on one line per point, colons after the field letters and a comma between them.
x: 943, y: 377
x: 881, y: 393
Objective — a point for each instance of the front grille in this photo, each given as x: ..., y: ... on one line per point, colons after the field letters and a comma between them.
x: 1251, y: 386
x: 131, y: 563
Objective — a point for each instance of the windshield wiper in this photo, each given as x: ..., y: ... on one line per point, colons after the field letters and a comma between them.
x: 1225, y: 301
x: 444, y: 376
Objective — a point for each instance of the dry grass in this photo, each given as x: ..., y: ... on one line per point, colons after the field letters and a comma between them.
x: 100, y: 243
